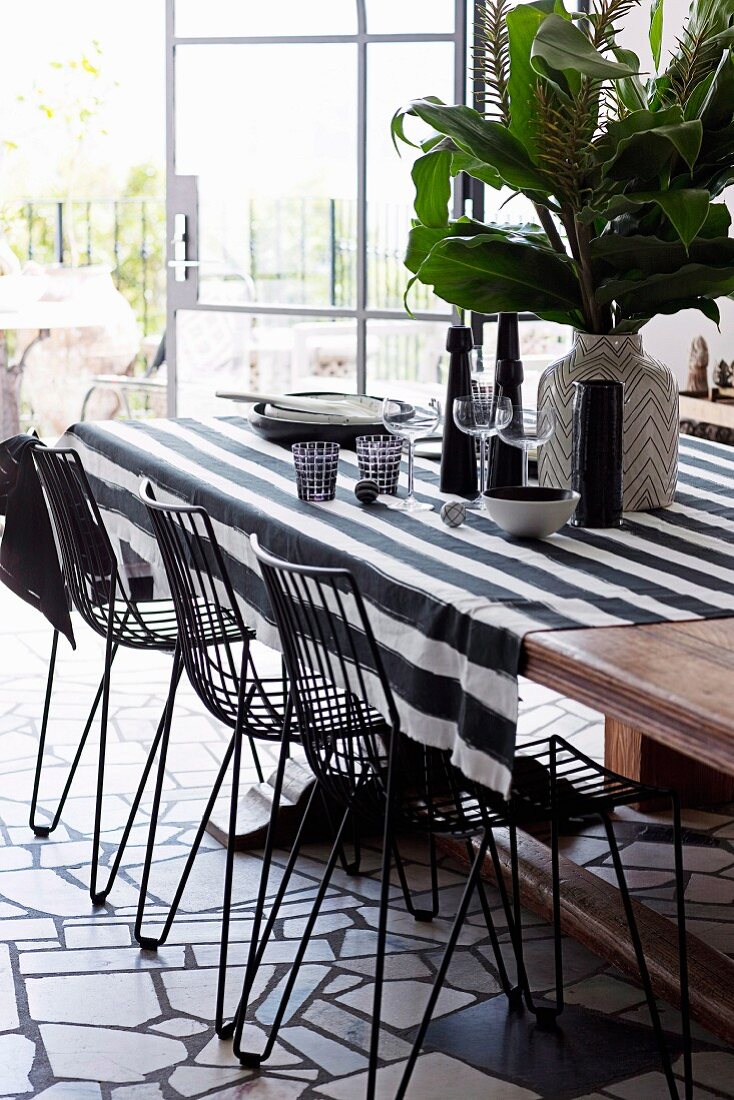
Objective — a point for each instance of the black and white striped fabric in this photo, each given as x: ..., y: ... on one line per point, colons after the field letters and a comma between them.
x: 449, y: 607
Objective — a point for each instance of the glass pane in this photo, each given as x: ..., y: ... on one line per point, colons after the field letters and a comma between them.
x: 277, y: 197
x: 410, y: 17
x: 220, y: 350
x: 415, y: 69
x: 233, y: 18
x: 406, y: 357
x: 541, y: 343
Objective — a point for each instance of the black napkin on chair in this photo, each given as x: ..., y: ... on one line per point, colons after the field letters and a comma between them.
x: 29, y: 561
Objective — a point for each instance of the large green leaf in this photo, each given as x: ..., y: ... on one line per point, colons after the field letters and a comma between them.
x: 465, y: 162
x: 423, y: 238
x: 639, y: 121
x: 708, y: 307
x: 718, y: 221
x: 561, y: 46
x: 488, y: 275
x: 656, y: 31
x: 648, y: 295
x: 685, y: 209
x: 523, y: 22
x: 432, y: 178
x: 644, y: 155
x: 653, y: 256
x: 717, y: 107
x: 490, y: 142
x: 630, y: 88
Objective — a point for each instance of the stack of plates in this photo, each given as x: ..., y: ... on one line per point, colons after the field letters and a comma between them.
x: 331, y: 417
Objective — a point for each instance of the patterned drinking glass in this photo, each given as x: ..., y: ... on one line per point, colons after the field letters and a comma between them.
x: 379, y: 458
x: 316, y: 466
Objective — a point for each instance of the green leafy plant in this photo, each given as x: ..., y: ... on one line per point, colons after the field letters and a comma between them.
x: 623, y: 171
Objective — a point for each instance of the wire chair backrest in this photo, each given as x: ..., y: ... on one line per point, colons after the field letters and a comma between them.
x: 88, y: 560
x: 330, y: 654
x: 208, y: 616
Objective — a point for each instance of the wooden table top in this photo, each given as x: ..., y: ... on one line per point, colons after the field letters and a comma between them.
x: 673, y: 681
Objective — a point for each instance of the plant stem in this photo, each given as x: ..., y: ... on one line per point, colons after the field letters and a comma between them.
x: 546, y: 220
x: 578, y: 238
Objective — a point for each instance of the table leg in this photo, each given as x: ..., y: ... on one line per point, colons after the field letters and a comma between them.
x: 630, y: 753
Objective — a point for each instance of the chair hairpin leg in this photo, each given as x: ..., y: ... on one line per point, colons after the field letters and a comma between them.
x: 640, y: 956
x: 224, y: 1030
x: 685, y: 1006
x: 99, y: 897
x: 448, y: 954
x: 264, y: 938
x: 161, y: 732
x: 250, y: 1058
x: 418, y: 914
x: 150, y: 943
x: 512, y: 992
x: 44, y: 829
x: 348, y: 866
x: 252, y: 956
x: 387, y: 849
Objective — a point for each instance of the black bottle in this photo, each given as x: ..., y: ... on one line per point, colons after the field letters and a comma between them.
x: 458, y: 455
x: 508, y: 465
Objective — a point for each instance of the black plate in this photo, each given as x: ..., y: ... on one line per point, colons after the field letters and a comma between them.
x: 286, y: 432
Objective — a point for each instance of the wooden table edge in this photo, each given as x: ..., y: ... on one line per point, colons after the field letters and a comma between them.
x: 628, y: 673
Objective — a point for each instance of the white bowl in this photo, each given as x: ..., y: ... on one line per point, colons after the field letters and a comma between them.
x: 529, y: 511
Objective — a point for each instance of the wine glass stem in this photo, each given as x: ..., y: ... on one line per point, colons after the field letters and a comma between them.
x: 411, y: 456
x: 483, y: 471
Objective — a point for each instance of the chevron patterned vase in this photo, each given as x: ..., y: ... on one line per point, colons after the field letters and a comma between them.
x: 650, y: 439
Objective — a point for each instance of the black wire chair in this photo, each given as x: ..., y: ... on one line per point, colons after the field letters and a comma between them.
x: 229, y: 685
x: 95, y: 588
x: 330, y: 653
x: 328, y: 645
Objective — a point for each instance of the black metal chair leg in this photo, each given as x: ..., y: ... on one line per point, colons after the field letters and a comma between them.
x: 387, y: 848
x: 223, y: 1030
x: 251, y: 967
x: 512, y: 992
x: 348, y: 866
x: 640, y: 956
x: 440, y: 978
x: 277, y: 902
x: 685, y: 1006
x: 40, y: 829
x: 163, y: 725
x: 98, y: 898
x: 423, y: 915
x: 557, y: 932
x: 152, y: 943
x: 250, y: 1058
x: 547, y: 1014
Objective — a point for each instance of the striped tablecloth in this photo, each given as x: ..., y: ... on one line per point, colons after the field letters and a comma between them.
x: 449, y: 607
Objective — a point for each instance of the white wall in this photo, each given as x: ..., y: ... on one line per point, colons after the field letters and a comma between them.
x: 669, y: 338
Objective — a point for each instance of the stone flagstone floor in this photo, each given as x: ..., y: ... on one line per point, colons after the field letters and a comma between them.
x: 84, y: 1015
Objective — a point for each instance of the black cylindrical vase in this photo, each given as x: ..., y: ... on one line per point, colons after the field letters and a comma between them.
x: 458, y: 454
x: 507, y: 464
x: 596, y: 457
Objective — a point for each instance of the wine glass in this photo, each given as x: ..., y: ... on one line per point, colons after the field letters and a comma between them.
x: 528, y: 429
x: 481, y: 415
x: 409, y: 421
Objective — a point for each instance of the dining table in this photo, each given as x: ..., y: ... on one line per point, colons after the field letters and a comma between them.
x: 637, y: 622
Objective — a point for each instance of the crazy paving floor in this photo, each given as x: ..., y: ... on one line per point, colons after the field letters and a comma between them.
x: 85, y: 1015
